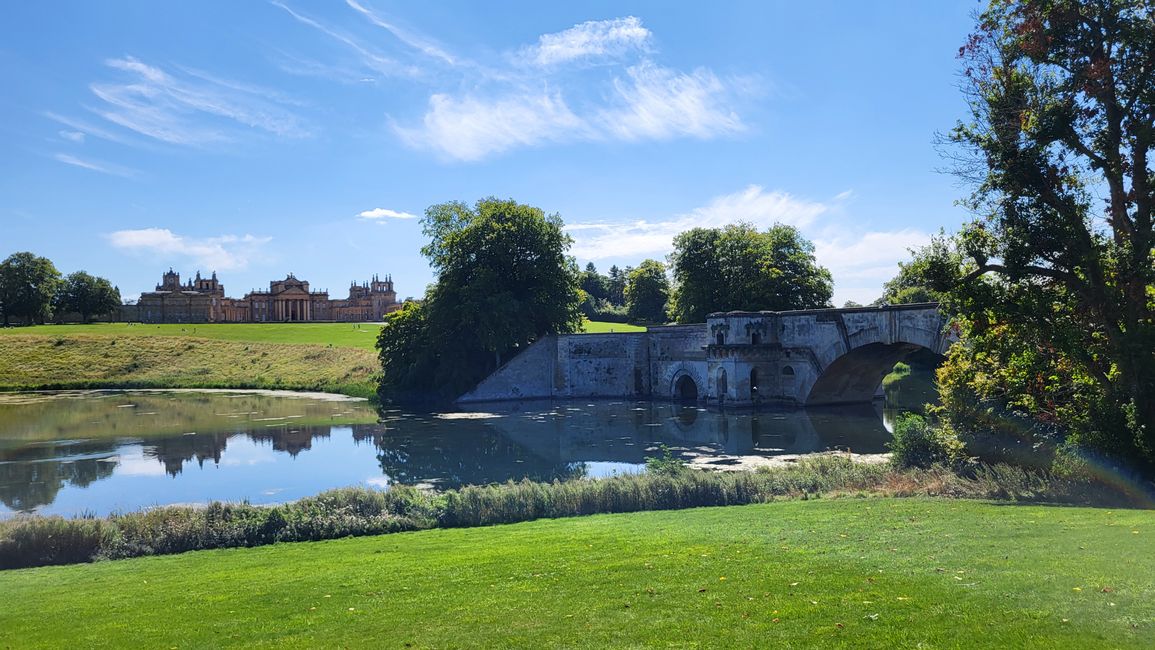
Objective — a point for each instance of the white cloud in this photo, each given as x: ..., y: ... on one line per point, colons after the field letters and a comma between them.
x: 194, y: 110
x: 862, y: 261
x: 859, y: 260
x: 470, y: 128
x: 589, y: 40
x: 72, y: 136
x: 84, y: 127
x: 96, y: 166
x: 659, y: 103
x: 378, y: 214
x: 221, y: 253
x: 639, y: 239
x: 547, y: 97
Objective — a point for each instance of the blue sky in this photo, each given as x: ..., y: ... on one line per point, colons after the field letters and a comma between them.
x: 259, y: 138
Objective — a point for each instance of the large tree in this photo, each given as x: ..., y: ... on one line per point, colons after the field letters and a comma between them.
x: 28, y: 284
x: 503, y: 281
x: 647, y: 292
x: 86, y: 295
x: 741, y: 268
x: 1060, y: 302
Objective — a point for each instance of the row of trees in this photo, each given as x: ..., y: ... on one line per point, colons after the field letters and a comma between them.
x: 32, y: 291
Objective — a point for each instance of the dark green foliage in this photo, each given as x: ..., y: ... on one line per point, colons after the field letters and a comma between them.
x: 918, y: 443
x: 647, y: 292
x: 86, y: 295
x: 504, y: 281
x: 1058, y: 313
x: 28, y: 285
x: 36, y: 541
x: 740, y: 268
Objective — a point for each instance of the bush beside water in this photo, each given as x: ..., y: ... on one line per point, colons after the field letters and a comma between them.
x: 35, y: 541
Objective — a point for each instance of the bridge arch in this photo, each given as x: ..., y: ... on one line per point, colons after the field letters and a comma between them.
x: 855, y: 376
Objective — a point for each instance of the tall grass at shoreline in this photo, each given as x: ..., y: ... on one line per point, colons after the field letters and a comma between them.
x: 35, y: 541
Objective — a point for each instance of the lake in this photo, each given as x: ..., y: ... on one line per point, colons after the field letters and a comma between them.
x: 98, y: 452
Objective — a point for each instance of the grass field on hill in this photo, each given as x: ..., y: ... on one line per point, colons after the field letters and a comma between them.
x: 818, y: 573
x: 104, y: 361
x: 599, y: 327
x: 341, y: 335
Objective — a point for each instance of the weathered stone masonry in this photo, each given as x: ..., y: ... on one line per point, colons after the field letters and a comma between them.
x: 825, y: 356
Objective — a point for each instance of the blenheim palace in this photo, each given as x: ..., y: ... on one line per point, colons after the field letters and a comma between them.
x: 202, y: 300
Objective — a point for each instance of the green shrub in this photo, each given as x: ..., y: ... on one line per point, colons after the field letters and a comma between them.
x: 918, y: 443
x: 667, y: 464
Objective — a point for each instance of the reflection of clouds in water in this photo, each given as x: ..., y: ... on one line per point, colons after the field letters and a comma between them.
x: 466, y: 416
x: 243, y: 451
x: 131, y: 462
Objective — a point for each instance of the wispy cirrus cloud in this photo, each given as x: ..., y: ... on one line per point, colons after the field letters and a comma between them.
x: 96, y: 166
x: 368, y: 56
x: 190, y: 109
x: 381, y: 214
x: 592, y: 40
x: 220, y: 253
x: 419, y: 42
x: 548, y: 96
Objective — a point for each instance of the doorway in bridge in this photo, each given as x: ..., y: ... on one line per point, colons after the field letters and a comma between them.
x: 753, y: 384
x: 722, y: 386
x: 685, y: 389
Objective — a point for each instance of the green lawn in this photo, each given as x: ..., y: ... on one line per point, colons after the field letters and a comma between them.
x: 874, y: 573
x: 599, y: 327
x: 343, y: 335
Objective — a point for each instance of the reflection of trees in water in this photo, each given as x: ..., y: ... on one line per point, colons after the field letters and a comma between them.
x: 27, y: 485
x: 174, y: 451
x: 456, y: 453
x: 290, y: 440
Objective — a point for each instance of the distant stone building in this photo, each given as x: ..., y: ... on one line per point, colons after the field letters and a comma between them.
x: 203, y: 301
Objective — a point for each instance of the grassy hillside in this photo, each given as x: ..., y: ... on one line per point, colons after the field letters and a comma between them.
x: 840, y: 573
x: 102, y: 361
x: 341, y: 335
x: 599, y: 327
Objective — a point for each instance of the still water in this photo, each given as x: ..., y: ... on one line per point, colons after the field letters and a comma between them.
x: 104, y: 451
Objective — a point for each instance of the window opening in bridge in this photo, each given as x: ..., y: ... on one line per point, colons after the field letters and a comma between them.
x: 755, y: 338
x: 685, y: 389
x: 721, y: 338
x: 787, y: 371
x: 753, y: 383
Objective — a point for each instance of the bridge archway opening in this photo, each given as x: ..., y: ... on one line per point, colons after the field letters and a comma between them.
x: 685, y: 390
x: 855, y: 377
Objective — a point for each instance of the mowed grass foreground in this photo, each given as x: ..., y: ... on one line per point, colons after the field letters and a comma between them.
x: 818, y: 573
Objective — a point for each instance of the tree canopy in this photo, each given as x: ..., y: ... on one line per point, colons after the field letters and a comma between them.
x: 86, y: 295
x: 28, y: 284
x: 739, y: 268
x: 503, y: 281
x: 647, y: 292
x: 1058, y: 305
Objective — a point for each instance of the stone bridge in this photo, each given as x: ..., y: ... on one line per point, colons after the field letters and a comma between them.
x: 820, y: 356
